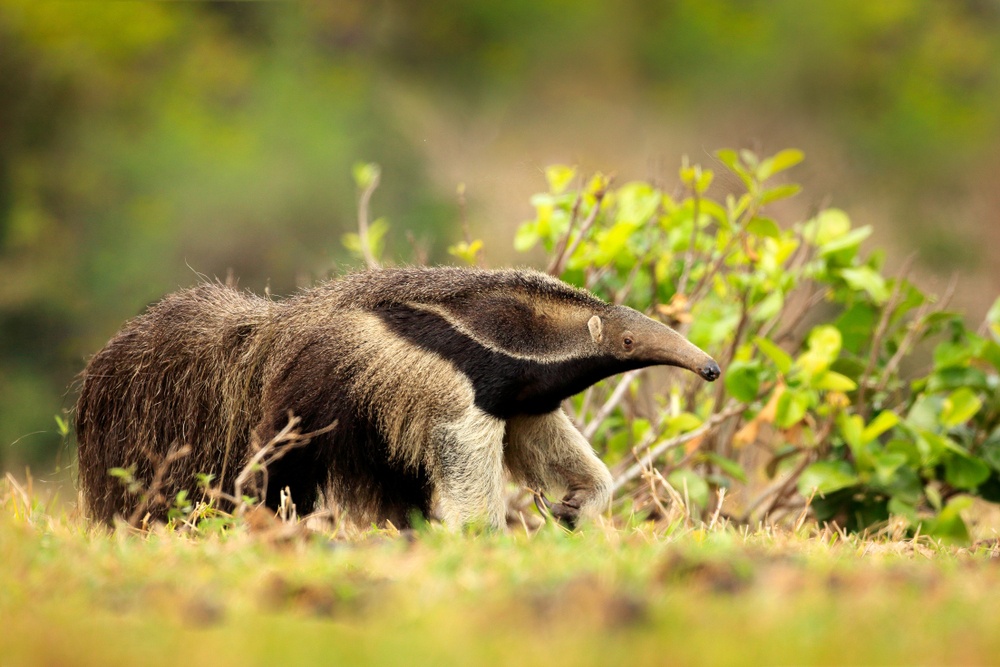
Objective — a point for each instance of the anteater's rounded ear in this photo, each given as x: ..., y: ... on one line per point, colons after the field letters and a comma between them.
x: 596, y: 328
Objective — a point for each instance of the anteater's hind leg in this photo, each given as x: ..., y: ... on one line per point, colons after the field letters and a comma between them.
x: 546, y: 452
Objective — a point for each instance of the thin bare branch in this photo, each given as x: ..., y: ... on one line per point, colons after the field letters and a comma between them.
x: 558, y: 263
x: 363, y: 202
x: 777, y: 489
x: 616, y: 397
x: 287, y: 439
x: 560, y: 250
x: 880, y: 331
x: 690, y: 254
x: 464, y: 219
x: 152, y: 493
x: 645, y: 460
x: 910, y: 338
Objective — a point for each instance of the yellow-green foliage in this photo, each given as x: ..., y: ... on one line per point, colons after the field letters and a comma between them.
x: 276, y: 594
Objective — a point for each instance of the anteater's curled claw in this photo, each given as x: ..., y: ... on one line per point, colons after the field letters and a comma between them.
x: 563, y: 512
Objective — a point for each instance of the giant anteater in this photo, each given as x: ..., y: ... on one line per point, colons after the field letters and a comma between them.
x: 442, y: 383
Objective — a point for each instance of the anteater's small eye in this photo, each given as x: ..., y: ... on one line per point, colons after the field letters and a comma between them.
x: 627, y: 341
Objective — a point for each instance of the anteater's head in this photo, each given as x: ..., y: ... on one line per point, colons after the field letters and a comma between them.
x: 638, y: 341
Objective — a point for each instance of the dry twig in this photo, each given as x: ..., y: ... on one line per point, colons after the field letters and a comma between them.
x: 558, y: 263
x: 645, y: 460
x: 152, y: 494
x: 616, y: 397
x: 363, y: 202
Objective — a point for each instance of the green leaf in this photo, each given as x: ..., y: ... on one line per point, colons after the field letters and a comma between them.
x: 899, y: 507
x: 681, y: 423
x: 526, y: 237
x: 867, y: 279
x: 714, y: 321
x: 764, y: 227
x: 781, y: 161
x: 851, y: 430
x: 948, y: 379
x: 826, y: 477
x: 690, y: 485
x: 833, y: 381
x: 950, y: 354
x: 716, y: 211
x: 990, y: 449
x: 849, y: 240
x: 377, y: 231
x: 882, y: 423
x: 781, y: 359
x: 728, y: 466
x: 825, y: 340
x: 886, y: 464
x: 742, y: 380
x: 769, y: 306
x: 933, y: 447
x: 637, y: 202
x: 993, y: 319
x: 991, y: 354
x: 611, y: 243
x: 824, y: 345
x: 749, y: 157
x: 559, y: 176
x: 780, y: 192
x: 467, y: 252
x: 792, y: 407
x: 959, y: 407
x: 948, y: 524
x: 728, y: 157
x: 828, y: 226
x: 704, y: 181
x: 732, y: 161
x: 965, y: 472
x: 856, y: 325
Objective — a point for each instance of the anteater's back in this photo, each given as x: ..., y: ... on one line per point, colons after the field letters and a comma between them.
x: 186, y: 372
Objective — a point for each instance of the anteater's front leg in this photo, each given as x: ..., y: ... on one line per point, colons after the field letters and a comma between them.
x: 468, y: 470
x: 547, y: 452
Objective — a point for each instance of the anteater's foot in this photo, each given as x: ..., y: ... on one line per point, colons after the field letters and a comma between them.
x: 567, y: 512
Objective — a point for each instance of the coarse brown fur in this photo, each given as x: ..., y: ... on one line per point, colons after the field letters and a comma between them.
x: 442, y: 384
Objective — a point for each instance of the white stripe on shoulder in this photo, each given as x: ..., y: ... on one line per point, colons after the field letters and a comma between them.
x: 552, y: 357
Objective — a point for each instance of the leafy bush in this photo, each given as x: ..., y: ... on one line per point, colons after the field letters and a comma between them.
x: 821, y: 351
x: 821, y: 355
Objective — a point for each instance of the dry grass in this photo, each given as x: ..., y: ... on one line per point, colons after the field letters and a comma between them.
x: 267, y: 591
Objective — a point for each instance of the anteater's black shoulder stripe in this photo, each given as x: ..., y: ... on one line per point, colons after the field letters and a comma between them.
x: 504, y: 385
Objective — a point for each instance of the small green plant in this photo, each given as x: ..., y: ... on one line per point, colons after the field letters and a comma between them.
x: 126, y: 476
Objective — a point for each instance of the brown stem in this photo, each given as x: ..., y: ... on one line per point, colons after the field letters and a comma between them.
x: 616, y: 397
x: 363, y: 202
x: 689, y: 255
x: 156, y: 484
x: 645, y: 460
x: 909, y: 339
x: 880, y: 331
x: 558, y: 263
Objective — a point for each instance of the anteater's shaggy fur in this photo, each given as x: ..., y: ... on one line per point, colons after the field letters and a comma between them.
x: 442, y: 383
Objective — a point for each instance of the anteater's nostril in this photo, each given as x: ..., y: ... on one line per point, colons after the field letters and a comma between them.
x: 710, y: 371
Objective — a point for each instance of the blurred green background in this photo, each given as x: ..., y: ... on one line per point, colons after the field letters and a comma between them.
x: 144, y: 145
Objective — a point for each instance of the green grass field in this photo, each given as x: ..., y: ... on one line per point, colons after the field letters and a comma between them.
x: 268, y: 593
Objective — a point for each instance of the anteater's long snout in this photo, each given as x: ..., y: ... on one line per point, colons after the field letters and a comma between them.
x: 673, y: 349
